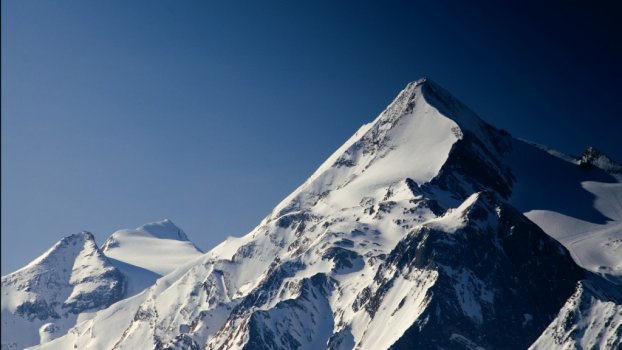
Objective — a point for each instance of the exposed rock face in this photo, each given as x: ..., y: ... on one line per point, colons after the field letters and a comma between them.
x: 499, y: 272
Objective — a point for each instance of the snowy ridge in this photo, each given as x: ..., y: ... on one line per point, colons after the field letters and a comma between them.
x: 411, y: 235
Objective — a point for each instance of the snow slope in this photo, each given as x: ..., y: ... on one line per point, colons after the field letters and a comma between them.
x: 159, y: 247
x: 580, y: 207
x: 149, y: 252
x: 411, y: 235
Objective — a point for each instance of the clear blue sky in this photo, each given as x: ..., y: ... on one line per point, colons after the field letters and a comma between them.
x: 117, y: 113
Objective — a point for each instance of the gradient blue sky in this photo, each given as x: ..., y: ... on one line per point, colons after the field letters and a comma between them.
x: 118, y: 113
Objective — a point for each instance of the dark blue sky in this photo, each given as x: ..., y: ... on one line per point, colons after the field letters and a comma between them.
x: 118, y: 113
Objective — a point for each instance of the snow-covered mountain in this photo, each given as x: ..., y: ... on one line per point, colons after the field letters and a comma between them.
x: 427, y: 229
x: 149, y: 252
x: 74, y: 278
x: 45, y: 298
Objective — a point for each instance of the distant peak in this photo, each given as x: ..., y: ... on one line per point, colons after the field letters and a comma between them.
x: 164, y: 229
x: 76, y: 238
x: 67, y: 249
x: 594, y: 158
x: 84, y: 235
x: 592, y: 153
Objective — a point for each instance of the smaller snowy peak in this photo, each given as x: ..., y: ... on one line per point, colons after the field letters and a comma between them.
x: 158, y: 247
x: 66, y: 251
x: 71, y: 278
x: 62, y: 278
x: 590, y: 319
x: 594, y: 158
x: 164, y: 229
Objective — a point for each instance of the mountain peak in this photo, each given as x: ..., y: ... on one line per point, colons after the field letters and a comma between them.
x: 164, y: 229
x: 68, y: 248
x: 419, y: 82
x: 84, y: 236
x: 159, y: 247
x: 70, y: 278
x: 593, y: 157
x: 426, y: 97
x: 413, y: 137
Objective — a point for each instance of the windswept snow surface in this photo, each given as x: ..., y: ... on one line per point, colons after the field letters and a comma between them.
x: 148, y: 252
x: 411, y: 235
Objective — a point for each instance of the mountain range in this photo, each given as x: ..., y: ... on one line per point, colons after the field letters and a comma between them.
x: 428, y: 229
